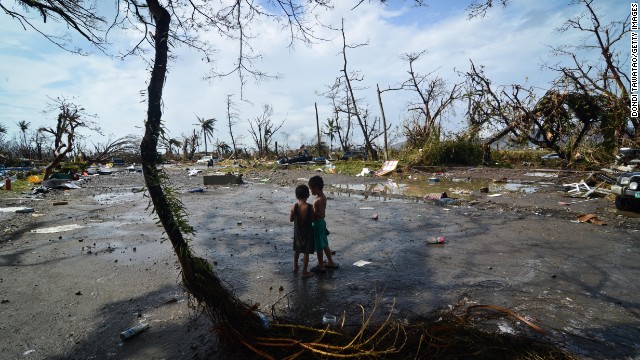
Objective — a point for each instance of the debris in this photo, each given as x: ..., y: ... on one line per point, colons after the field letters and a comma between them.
x: 563, y: 203
x: 133, y: 331
x: 196, y: 190
x: 28, y: 352
x: 78, y: 292
x: 366, y: 208
x: 387, y: 167
x: 435, y: 196
x: 56, y: 229
x: 494, y: 195
x: 590, y: 218
x: 4, y: 301
x: 56, y: 203
x: 365, y: 172
x: 281, y: 288
x: 434, y: 180
x: 436, y: 240
x: 361, y: 263
x: 60, y: 184
x: 266, y: 323
x: 194, y: 172
x: 329, y: 319
x: 239, y: 223
x: 374, y: 216
x: 484, y: 190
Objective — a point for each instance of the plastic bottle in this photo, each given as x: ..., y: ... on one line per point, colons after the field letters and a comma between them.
x: 133, y: 331
x: 436, y: 240
x: 265, y: 320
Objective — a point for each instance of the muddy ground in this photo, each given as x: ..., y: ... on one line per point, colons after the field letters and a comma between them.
x: 68, y: 294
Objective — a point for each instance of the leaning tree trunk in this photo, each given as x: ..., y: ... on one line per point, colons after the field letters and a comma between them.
x: 233, y: 318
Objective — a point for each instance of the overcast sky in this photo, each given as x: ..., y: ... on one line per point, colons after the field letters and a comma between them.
x: 511, y: 43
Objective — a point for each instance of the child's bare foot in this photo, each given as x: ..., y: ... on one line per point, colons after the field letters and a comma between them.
x: 306, y: 274
x: 331, y: 265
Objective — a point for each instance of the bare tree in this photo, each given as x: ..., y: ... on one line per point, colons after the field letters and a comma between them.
x: 604, y: 76
x: 232, y: 120
x: 262, y: 130
x: 70, y: 119
x: 356, y: 110
x: 193, y: 144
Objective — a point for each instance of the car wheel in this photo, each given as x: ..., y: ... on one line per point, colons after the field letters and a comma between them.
x: 622, y: 203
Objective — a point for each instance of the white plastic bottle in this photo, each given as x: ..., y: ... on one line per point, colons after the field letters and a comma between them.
x: 133, y: 331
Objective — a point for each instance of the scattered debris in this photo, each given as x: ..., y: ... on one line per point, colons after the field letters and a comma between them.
x: 435, y: 196
x: 388, y: 167
x: 434, y: 180
x: 484, y: 190
x: 366, y: 208
x: 28, y: 352
x: 590, y: 218
x: 78, y: 292
x: 365, y: 172
x: 56, y: 203
x: 374, y: 216
x: 494, y: 195
x: 196, y: 190
x: 361, y: 263
x: 194, y: 172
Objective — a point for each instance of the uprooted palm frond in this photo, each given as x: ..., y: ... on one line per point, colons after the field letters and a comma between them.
x: 449, y: 334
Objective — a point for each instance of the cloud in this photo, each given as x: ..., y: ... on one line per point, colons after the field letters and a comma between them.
x: 510, y: 42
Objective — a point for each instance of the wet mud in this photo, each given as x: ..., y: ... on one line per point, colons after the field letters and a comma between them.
x: 521, y: 251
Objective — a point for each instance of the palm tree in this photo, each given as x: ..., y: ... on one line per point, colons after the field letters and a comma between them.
x: 174, y: 142
x: 24, y: 126
x: 332, y: 128
x: 206, y: 129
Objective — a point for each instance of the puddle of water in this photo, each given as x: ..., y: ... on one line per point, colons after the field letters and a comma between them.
x: 451, y: 187
x: 113, y: 198
x: 57, y: 229
x: 542, y: 174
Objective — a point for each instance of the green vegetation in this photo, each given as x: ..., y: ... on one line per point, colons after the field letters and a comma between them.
x: 458, y: 150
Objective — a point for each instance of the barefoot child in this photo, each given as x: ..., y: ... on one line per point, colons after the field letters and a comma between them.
x: 302, y: 218
x: 320, y: 226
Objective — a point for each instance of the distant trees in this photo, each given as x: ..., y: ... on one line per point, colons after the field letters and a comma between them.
x: 263, y: 128
x: 435, y: 100
x: 70, y: 118
x: 207, y: 127
x: 588, y: 100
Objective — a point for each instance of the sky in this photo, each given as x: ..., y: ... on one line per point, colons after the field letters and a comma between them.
x: 511, y: 43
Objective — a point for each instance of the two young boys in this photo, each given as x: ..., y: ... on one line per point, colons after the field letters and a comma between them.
x: 310, y: 228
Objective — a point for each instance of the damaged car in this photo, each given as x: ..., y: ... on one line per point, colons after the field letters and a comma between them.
x: 627, y: 191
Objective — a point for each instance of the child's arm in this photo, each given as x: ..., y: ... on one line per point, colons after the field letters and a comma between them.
x: 293, y: 208
x: 319, y: 207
